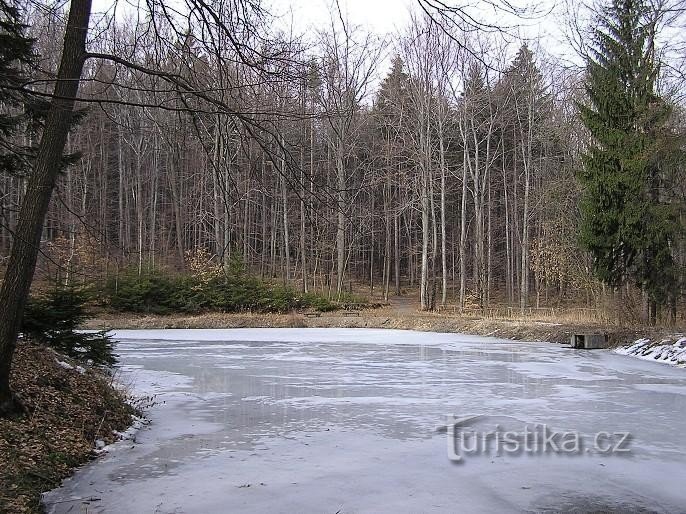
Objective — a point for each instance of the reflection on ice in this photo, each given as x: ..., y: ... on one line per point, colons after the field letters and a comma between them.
x: 345, y: 419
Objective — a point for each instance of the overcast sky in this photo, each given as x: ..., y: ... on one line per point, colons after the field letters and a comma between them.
x: 389, y: 16
x: 384, y: 17
x: 380, y: 16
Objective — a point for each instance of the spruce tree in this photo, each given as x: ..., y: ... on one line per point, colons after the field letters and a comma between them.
x: 16, y: 53
x: 55, y: 319
x: 392, y: 99
x: 625, y: 226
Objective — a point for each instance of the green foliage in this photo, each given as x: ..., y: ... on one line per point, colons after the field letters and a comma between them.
x: 626, y: 224
x: 23, y: 112
x: 16, y: 52
x: 54, y: 320
x: 350, y: 298
x: 151, y: 292
x: 159, y: 293
x: 317, y: 303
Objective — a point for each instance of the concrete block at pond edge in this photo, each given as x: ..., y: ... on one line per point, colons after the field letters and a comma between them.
x: 590, y: 341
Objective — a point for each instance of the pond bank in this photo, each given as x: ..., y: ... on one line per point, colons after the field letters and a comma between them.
x: 519, y: 330
x: 69, y: 408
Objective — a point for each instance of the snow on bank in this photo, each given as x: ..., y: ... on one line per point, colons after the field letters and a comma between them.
x: 66, y: 365
x: 127, y: 435
x: 137, y: 422
x: 665, y: 351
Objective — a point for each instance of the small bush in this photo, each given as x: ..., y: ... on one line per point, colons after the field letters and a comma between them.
x: 350, y: 298
x: 149, y: 292
x: 317, y: 303
x: 54, y: 320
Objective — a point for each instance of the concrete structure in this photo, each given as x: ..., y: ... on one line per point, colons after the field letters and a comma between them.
x: 590, y: 341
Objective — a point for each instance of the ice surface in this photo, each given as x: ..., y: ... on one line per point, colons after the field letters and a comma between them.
x: 328, y: 420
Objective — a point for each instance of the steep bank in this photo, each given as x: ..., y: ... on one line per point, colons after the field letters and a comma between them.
x: 68, y: 409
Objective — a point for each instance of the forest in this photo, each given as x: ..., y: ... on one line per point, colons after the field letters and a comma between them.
x: 449, y: 160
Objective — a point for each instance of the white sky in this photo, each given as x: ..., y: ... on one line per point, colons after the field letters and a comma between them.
x: 379, y: 16
x: 385, y: 17
x: 392, y: 16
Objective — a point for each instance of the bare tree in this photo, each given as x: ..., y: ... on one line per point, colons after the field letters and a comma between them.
x: 348, y: 64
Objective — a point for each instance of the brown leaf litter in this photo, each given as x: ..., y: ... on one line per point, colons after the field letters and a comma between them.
x: 68, y: 409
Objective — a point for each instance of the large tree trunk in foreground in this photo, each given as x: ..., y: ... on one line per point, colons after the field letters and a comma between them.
x: 26, y: 243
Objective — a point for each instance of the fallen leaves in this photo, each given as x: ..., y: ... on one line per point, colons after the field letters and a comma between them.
x: 67, y: 411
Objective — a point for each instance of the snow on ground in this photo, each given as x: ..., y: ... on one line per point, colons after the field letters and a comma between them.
x: 66, y: 365
x: 328, y: 420
x: 127, y: 435
x: 665, y: 351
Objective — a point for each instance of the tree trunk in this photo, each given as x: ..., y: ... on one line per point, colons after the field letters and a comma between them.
x: 524, y: 284
x: 463, y: 227
x: 284, y: 198
x: 120, y: 170
x: 444, y: 259
x: 424, y: 275
x: 41, y: 183
x: 172, y: 170
x: 303, y: 227
x: 340, y: 222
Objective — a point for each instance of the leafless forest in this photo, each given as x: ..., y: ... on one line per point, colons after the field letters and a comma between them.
x: 440, y: 159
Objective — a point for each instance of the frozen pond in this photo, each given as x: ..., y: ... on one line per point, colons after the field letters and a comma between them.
x: 345, y: 420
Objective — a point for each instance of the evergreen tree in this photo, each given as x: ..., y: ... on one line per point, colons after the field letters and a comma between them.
x: 22, y: 112
x: 523, y: 102
x: 476, y: 101
x: 625, y: 225
x: 16, y: 52
x: 55, y: 320
x: 392, y: 102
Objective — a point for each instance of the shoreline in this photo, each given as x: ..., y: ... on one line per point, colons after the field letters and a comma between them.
x: 518, y: 330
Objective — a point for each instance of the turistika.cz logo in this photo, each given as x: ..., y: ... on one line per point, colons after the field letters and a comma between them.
x: 505, y: 435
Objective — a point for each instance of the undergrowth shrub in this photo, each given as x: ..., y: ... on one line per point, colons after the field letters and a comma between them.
x: 318, y: 303
x: 162, y: 293
x: 54, y: 318
x: 346, y: 297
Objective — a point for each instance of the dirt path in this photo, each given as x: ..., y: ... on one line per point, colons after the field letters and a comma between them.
x: 402, y: 305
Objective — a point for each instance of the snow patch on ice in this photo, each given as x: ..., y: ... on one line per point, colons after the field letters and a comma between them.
x: 664, y: 351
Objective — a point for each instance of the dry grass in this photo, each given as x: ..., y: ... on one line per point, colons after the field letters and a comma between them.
x: 553, y: 329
